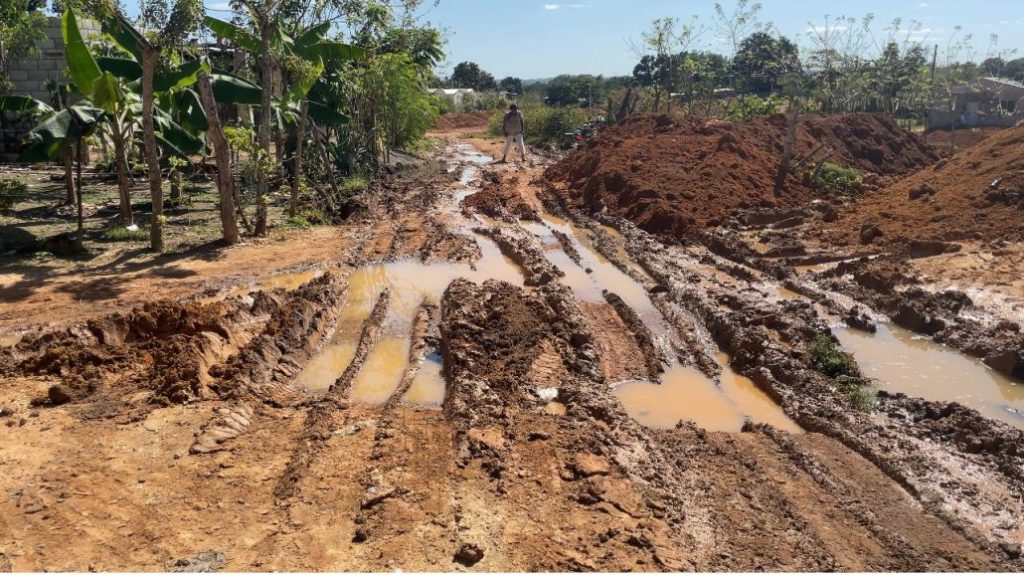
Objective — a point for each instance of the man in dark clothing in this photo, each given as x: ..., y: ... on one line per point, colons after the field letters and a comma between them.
x: 513, y: 125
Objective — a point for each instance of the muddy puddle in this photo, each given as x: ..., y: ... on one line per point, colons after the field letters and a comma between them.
x: 411, y: 283
x: 919, y: 367
x: 594, y: 274
x: 683, y: 393
x: 287, y: 281
x: 686, y: 394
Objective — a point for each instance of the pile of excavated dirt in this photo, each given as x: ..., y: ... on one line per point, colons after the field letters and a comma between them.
x: 976, y: 194
x: 500, y: 199
x: 462, y: 120
x: 675, y: 176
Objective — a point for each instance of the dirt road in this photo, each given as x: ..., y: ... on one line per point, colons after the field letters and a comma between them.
x: 490, y: 384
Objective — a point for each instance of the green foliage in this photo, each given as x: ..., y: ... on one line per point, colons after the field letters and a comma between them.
x: 353, y: 185
x: 545, y: 125
x: 296, y: 222
x: 578, y: 90
x: 763, y: 60
x: 751, y: 106
x: 123, y: 234
x: 390, y: 105
x: 469, y: 75
x: 842, y: 368
x: 827, y: 358
x: 22, y: 25
x: 836, y: 179
x: 10, y: 191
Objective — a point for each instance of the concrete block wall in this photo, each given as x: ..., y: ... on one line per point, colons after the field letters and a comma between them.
x: 30, y: 76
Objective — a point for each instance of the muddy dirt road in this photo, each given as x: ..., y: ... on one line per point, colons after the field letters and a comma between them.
x: 494, y: 383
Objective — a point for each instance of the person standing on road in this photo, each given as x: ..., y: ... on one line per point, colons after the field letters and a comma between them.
x: 513, y: 125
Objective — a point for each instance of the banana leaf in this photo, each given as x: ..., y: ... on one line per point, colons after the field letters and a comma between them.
x: 46, y: 140
x: 325, y: 116
x: 237, y: 35
x: 180, y: 138
x: 331, y: 51
x: 123, y: 68
x: 312, y: 35
x: 107, y: 93
x: 125, y: 35
x: 192, y: 114
x: 231, y: 89
x: 81, y: 66
x: 183, y: 75
x: 23, y: 104
x: 300, y: 88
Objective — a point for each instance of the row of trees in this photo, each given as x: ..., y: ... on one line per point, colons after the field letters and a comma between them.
x: 840, y: 66
x: 151, y: 89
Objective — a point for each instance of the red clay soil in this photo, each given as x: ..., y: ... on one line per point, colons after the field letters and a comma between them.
x: 676, y: 176
x: 939, y: 140
x: 461, y: 120
x: 976, y: 194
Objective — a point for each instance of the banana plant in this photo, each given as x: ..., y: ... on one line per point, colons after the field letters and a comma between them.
x: 293, y: 108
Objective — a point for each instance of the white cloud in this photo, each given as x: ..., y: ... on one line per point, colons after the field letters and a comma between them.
x: 557, y: 6
x: 923, y: 4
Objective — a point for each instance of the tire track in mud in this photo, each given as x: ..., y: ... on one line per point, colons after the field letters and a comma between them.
x: 321, y: 418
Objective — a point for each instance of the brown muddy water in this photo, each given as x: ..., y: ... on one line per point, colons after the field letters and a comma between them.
x: 686, y: 394
x: 683, y: 393
x: 903, y: 362
x: 411, y: 283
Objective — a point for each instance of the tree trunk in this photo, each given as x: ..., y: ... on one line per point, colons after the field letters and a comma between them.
x: 267, y: 80
x: 69, y: 177
x: 121, y: 166
x: 156, y: 232
x: 80, y: 236
x: 300, y: 135
x: 229, y: 227
x: 787, y: 150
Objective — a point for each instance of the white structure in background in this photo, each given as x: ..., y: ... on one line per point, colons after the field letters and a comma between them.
x: 457, y: 97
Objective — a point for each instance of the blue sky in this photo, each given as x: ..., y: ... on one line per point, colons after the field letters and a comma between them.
x: 544, y: 38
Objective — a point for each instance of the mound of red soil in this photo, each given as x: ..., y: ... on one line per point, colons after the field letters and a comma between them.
x: 499, y: 199
x: 462, y: 120
x: 976, y: 194
x: 677, y: 176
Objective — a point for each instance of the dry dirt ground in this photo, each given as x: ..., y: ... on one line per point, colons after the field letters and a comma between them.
x: 174, y: 435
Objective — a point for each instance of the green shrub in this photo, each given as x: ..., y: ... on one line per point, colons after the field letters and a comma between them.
x: 353, y: 185
x: 10, y: 191
x: 751, y: 106
x: 842, y: 368
x: 836, y: 179
x: 861, y: 397
x: 827, y: 358
x: 544, y: 125
x: 296, y: 222
x: 123, y: 234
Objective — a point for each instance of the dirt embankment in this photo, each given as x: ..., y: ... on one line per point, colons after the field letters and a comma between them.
x: 676, y: 177
x: 976, y: 194
x: 462, y: 121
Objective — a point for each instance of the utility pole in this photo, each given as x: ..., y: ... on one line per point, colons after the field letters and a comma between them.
x: 935, y: 56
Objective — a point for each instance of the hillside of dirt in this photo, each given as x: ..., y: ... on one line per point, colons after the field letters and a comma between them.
x: 676, y: 177
x: 976, y: 194
x: 461, y: 120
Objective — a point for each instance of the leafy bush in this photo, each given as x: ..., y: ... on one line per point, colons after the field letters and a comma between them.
x: 836, y: 179
x: 751, y: 106
x: 353, y: 185
x: 827, y: 358
x: 296, y: 222
x: 842, y: 368
x: 544, y: 125
x: 10, y: 191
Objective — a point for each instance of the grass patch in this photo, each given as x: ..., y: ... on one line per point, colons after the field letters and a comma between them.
x: 836, y: 179
x: 295, y: 222
x: 122, y: 234
x: 354, y: 185
x: 11, y: 190
x: 842, y: 368
x: 545, y: 126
